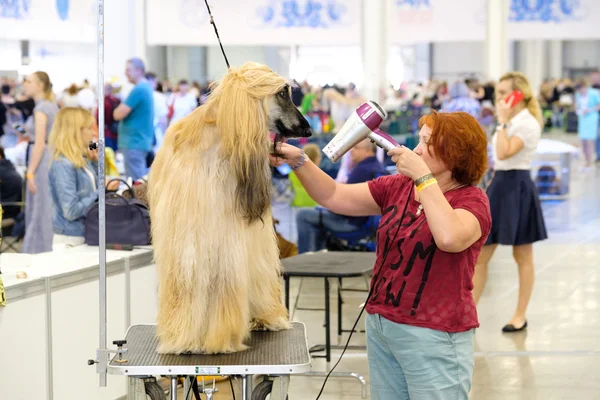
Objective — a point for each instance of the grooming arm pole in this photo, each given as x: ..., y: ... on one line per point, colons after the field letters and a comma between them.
x: 102, y: 353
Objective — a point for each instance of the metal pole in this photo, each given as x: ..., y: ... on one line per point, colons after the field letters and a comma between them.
x: 101, y: 367
x: 174, y: 388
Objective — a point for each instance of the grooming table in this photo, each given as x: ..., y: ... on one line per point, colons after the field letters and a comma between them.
x: 277, y: 354
x: 329, y: 264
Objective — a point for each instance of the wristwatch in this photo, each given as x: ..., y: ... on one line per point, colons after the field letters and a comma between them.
x: 501, y: 126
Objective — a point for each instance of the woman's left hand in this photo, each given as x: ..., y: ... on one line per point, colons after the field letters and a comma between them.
x: 408, y: 162
x: 31, y: 186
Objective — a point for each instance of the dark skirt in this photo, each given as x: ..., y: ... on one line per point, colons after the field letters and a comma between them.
x: 517, y: 217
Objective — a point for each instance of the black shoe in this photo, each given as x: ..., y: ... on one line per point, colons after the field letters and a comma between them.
x: 511, y: 328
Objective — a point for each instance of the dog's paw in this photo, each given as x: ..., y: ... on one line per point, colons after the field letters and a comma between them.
x: 277, y: 324
x: 256, y: 325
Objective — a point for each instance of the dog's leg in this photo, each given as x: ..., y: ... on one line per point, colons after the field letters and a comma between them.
x: 228, y: 314
x: 266, y: 308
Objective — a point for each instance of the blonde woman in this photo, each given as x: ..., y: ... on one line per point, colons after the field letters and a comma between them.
x: 38, y: 206
x: 517, y: 218
x: 73, y: 175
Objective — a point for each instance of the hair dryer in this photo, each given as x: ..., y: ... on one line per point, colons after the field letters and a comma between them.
x: 363, y: 123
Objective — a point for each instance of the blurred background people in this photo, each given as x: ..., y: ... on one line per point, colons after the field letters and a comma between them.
x: 136, y: 126
x: 38, y: 204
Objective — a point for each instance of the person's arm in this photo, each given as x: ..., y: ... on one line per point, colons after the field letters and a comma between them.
x: 453, y: 230
x: 506, y: 147
x: 351, y: 200
x: 41, y: 121
x: 64, y: 177
x: 121, y: 112
x: 124, y: 109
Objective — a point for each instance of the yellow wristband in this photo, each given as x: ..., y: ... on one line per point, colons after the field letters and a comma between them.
x: 425, y: 184
x: 29, y: 175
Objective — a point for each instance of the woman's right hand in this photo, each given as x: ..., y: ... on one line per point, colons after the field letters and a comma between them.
x: 287, y: 154
x: 92, y: 154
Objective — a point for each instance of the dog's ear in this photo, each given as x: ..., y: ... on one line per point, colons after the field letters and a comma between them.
x: 253, y: 190
x: 243, y: 124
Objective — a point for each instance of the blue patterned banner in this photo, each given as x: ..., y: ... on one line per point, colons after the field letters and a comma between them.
x: 62, y: 8
x: 546, y: 11
x: 414, y: 4
x: 302, y: 14
x: 14, y: 9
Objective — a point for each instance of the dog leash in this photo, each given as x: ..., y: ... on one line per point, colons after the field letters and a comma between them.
x: 212, y: 21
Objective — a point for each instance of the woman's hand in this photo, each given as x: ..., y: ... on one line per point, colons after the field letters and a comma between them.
x: 502, y: 112
x: 31, y: 185
x: 287, y: 154
x: 112, y: 186
x: 408, y: 162
x: 92, y: 154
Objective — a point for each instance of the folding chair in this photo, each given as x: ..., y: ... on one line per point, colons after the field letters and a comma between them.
x: 9, y: 242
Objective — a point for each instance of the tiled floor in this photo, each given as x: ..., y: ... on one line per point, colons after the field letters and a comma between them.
x: 557, y: 358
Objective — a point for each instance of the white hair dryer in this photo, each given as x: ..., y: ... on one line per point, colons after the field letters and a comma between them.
x: 363, y: 123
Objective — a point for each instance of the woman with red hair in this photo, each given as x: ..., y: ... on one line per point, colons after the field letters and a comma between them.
x: 421, y: 314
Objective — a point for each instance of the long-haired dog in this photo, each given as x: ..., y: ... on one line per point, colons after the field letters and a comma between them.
x: 209, y: 190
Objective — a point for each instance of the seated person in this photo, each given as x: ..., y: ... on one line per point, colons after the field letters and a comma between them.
x: 73, y: 175
x: 313, y: 223
x: 11, y: 187
x: 301, y: 198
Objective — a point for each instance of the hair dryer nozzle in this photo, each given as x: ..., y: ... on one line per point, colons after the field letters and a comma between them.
x: 363, y: 123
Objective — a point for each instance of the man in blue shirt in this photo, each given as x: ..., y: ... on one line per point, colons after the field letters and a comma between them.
x: 313, y: 224
x: 136, y: 126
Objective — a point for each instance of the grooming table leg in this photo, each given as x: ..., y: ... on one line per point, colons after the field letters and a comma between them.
x: 187, y: 382
x: 136, y: 389
x: 280, y: 387
x: 245, y: 388
x: 174, y: 381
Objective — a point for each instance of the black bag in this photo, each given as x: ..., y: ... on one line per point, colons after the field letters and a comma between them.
x: 127, y: 220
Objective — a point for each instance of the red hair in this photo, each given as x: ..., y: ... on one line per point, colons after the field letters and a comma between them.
x: 459, y: 141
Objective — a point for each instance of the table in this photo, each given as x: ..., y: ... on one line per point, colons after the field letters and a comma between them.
x: 327, y: 264
x: 48, y: 324
x: 279, y: 354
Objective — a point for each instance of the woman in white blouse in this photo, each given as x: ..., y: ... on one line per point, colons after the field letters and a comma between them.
x: 517, y: 218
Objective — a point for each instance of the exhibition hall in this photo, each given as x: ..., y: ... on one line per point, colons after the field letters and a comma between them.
x: 299, y: 199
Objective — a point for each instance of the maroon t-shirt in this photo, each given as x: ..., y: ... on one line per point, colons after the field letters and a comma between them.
x: 419, y: 284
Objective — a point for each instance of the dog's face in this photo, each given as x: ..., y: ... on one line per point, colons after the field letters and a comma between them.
x: 285, y: 120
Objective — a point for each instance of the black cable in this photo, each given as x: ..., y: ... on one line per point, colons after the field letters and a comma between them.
x: 189, y: 390
x: 370, y: 292
x: 212, y: 21
x: 231, y: 384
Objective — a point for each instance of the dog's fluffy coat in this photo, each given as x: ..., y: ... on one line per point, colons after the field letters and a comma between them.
x: 214, y: 243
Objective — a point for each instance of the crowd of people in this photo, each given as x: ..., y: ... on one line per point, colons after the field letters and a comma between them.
x: 137, y: 119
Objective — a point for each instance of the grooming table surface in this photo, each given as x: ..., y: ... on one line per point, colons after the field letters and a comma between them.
x: 332, y: 264
x: 272, y: 353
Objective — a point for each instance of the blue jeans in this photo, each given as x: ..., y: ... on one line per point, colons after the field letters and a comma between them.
x: 136, y: 166
x: 408, y: 362
x: 311, y: 237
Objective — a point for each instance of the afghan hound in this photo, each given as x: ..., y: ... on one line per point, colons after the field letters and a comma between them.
x: 209, y: 191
